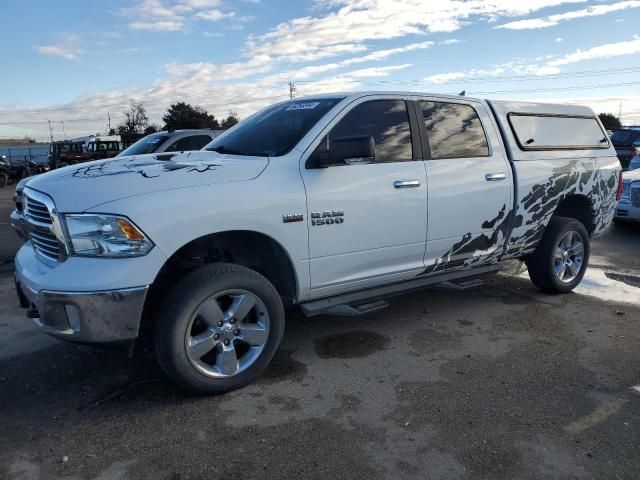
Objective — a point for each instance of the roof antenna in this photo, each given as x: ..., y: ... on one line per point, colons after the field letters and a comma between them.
x: 462, y: 93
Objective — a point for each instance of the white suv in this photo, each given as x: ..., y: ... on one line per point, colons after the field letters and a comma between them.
x: 173, y: 141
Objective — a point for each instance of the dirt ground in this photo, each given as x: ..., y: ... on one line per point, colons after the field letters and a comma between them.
x: 497, y: 382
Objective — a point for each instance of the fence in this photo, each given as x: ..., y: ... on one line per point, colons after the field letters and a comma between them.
x: 21, y: 155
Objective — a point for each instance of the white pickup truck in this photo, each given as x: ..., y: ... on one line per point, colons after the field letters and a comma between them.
x: 331, y: 203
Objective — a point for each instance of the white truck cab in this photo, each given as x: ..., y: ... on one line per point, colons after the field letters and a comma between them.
x: 325, y: 202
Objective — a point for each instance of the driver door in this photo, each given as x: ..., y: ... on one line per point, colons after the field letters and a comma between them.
x: 368, y: 222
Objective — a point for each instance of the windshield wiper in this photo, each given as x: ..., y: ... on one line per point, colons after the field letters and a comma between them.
x: 223, y: 149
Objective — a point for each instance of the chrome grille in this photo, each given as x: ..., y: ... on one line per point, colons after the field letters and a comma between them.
x: 635, y: 195
x: 37, y: 211
x: 40, y: 223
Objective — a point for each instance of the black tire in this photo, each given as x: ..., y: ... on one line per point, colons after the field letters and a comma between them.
x: 181, y: 306
x: 3, y: 179
x: 541, y: 263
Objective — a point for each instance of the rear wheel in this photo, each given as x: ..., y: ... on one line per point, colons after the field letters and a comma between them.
x: 561, y: 259
x: 219, y: 328
x: 3, y: 179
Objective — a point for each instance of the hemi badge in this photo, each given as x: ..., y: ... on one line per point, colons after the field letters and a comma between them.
x: 296, y: 217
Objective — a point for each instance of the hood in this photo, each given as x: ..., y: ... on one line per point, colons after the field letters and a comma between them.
x: 631, y: 175
x: 79, y: 187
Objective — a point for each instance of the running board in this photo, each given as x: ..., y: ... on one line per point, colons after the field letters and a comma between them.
x: 366, y: 301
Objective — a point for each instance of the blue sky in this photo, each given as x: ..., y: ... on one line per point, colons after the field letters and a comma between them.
x: 79, y: 61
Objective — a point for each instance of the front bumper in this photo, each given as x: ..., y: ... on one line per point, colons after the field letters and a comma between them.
x: 18, y: 224
x: 83, y: 299
x: 92, y: 317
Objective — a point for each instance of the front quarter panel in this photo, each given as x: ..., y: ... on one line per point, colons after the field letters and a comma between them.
x: 173, y: 218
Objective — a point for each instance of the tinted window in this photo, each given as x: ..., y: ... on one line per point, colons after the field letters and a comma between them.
x: 387, y: 121
x: 147, y: 144
x: 185, y: 144
x: 454, y: 130
x: 535, y: 132
x: 275, y: 130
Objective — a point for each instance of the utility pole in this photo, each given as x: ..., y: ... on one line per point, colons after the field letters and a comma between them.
x: 620, y: 112
x: 63, y: 134
x: 108, y: 122
x: 292, y: 90
x: 50, y: 131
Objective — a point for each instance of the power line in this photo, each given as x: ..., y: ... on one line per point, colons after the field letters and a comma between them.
x: 561, y: 89
x: 496, y: 78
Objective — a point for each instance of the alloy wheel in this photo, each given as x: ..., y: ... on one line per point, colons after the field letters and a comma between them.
x: 569, y: 257
x: 227, y: 333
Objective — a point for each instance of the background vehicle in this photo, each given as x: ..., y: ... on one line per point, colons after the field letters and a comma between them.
x: 628, y: 208
x: 33, y: 167
x: 4, y: 171
x: 627, y: 144
x: 12, y: 170
x: 331, y: 203
x: 104, y: 146
x: 67, y: 152
x: 174, y: 141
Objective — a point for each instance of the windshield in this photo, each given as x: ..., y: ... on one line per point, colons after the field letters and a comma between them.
x: 273, y: 131
x: 66, y: 148
x: 148, y: 144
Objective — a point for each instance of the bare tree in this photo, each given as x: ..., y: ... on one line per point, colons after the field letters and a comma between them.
x: 135, y: 120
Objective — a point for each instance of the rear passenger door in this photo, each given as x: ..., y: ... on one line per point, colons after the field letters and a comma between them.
x: 469, y: 184
x: 368, y: 222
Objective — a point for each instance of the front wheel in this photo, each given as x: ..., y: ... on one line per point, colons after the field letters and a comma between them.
x: 219, y: 328
x: 561, y: 259
x: 3, y: 179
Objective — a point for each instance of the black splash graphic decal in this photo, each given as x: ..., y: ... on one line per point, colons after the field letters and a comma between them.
x: 146, y: 169
x: 575, y: 177
x: 534, y: 210
x: 481, y: 249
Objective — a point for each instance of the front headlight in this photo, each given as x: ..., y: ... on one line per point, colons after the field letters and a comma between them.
x: 95, y: 235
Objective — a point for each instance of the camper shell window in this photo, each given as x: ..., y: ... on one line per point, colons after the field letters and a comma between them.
x: 535, y: 131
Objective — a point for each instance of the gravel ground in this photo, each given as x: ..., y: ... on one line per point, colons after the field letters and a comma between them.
x: 497, y: 382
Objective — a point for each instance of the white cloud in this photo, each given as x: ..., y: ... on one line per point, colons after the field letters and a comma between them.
x: 450, y: 41
x: 359, y: 21
x: 67, y: 47
x: 540, y: 66
x: 159, y: 26
x: 214, y: 15
x: 552, y: 20
x: 374, y: 71
x: 603, y: 51
x: 175, y: 15
x: 559, y: 40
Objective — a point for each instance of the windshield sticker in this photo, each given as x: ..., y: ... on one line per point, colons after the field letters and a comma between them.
x: 303, y: 106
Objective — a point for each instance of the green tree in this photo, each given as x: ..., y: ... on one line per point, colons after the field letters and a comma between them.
x: 610, y: 121
x: 182, y: 115
x: 152, y: 128
x: 230, y: 121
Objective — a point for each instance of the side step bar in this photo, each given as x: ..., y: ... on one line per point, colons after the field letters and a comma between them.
x: 343, y: 304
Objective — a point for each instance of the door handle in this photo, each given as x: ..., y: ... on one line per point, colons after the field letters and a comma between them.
x: 406, y: 184
x: 492, y: 177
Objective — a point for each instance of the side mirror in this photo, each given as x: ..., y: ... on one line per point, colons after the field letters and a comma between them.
x: 358, y: 150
